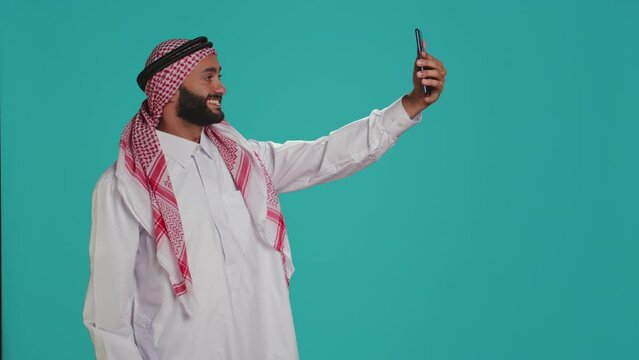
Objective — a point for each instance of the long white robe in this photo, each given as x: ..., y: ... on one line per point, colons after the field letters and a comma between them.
x: 243, y: 310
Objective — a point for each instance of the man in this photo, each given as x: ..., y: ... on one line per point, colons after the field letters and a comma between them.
x: 187, y: 183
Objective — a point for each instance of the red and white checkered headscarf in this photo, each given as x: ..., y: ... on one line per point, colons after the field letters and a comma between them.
x: 142, y: 158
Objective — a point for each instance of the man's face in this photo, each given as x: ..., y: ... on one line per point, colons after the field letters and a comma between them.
x: 200, y: 95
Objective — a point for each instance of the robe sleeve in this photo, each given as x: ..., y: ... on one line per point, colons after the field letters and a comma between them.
x: 297, y: 164
x: 112, y: 250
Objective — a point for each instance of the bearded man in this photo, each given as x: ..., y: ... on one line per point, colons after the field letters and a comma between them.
x: 186, y: 182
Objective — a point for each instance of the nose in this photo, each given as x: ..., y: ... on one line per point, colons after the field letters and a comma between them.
x: 218, y: 88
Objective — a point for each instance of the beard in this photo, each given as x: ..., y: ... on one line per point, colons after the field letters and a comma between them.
x: 192, y: 108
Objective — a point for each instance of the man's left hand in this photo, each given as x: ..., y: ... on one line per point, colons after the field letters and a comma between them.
x: 433, y: 76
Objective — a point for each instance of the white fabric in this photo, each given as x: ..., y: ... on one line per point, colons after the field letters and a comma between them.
x: 243, y: 310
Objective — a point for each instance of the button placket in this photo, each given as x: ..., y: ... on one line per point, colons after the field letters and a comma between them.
x: 212, y: 201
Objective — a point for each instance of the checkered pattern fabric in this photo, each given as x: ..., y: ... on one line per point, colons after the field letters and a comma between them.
x: 144, y: 160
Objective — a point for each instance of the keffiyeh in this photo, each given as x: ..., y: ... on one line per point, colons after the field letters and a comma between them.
x: 141, y: 158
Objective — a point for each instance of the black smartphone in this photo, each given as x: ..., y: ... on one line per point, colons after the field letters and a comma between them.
x: 420, y: 49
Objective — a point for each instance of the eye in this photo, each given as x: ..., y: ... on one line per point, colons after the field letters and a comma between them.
x: 210, y: 77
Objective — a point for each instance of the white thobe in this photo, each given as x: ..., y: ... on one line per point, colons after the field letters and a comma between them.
x: 242, y: 302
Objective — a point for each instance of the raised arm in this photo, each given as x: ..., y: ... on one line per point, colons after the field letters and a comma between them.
x: 296, y: 165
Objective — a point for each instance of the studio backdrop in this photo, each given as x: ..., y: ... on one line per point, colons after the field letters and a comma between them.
x: 505, y: 225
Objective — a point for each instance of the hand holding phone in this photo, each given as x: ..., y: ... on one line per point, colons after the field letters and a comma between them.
x: 420, y: 49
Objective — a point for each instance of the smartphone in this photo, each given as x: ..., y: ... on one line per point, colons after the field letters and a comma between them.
x: 420, y: 49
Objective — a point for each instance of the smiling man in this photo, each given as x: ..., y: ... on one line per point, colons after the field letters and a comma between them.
x: 187, y: 183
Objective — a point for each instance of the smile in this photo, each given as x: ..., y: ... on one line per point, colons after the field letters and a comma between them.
x: 215, y: 102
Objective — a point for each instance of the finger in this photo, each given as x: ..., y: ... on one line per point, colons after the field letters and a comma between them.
x: 431, y: 98
x: 427, y: 63
x: 435, y: 74
x: 436, y: 60
x: 431, y: 57
x: 437, y: 84
x: 441, y: 68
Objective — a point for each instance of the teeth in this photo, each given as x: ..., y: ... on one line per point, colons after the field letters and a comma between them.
x: 214, y: 101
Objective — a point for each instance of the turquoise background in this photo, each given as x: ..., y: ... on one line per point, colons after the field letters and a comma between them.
x: 504, y: 226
